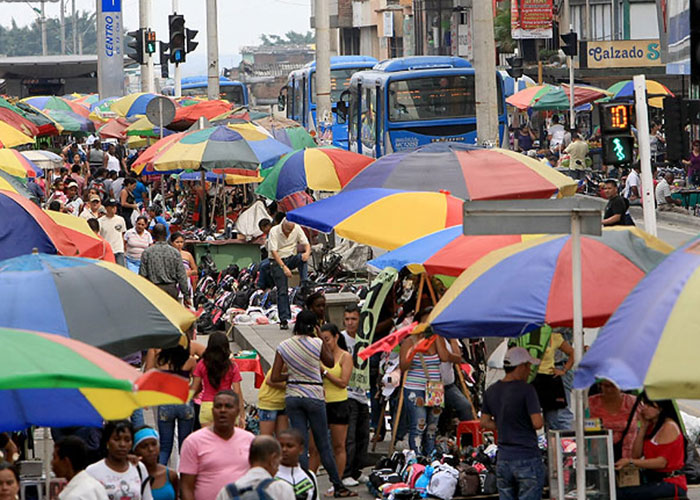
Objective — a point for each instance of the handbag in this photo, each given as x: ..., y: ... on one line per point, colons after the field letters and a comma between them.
x: 434, y: 389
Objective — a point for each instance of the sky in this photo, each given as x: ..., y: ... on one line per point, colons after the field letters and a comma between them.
x: 241, y: 22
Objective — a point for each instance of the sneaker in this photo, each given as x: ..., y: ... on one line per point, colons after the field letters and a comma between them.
x: 350, y: 482
x: 363, y: 479
x: 284, y: 325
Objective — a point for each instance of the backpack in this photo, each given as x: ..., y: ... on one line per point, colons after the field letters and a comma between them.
x: 443, y: 482
x: 249, y: 492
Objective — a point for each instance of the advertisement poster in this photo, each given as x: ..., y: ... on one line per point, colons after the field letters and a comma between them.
x: 531, y: 19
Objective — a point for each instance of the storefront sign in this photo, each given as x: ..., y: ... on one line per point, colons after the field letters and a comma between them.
x: 110, y: 55
x: 620, y: 54
x: 531, y: 19
x: 388, y: 24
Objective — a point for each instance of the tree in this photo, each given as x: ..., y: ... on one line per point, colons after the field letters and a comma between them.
x: 291, y: 38
x: 501, y: 30
x: 26, y: 40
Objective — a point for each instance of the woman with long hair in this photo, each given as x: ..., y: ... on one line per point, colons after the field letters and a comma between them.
x: 304, y: 398
x: 178, y: 241
x: 215, y: 372
x: 659, y: 451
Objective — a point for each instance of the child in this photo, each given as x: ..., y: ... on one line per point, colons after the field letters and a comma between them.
x: 302, y: 480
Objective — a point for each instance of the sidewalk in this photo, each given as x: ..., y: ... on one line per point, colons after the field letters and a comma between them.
x: 637, y: 214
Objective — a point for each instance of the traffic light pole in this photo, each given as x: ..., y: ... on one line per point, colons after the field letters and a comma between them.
x: 640, y: 104
x: 212, y: 51
x: 572, y: 111
x: 146, y: 69
x: 177, y: 75
x: 485, y: 69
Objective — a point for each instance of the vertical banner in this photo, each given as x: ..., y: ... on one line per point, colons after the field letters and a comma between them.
x: 110, y: 53
x: 369, y: 317
x: 532, y: 19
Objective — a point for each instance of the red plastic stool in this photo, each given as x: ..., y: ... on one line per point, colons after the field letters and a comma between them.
x: 473, y: 428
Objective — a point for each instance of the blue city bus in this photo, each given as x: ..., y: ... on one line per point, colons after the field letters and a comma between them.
x: 233, y: 91
x: 407, y: 102
x: 299, y: 95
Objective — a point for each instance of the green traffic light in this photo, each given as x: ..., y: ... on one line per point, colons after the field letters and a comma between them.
x: 619, y: 149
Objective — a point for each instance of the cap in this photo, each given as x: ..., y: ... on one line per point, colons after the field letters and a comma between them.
x: 110, y: 203
x: 517, y: 356
x: 73, y: 185
x: 94, y: 197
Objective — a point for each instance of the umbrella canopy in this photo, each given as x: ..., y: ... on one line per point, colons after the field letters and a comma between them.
x: 25, y: 227
x: 324, y: 169
x: 145, y: 159
x: 142, y: 127
x: 18, y: 121
x: 219, y: 148
x: 448, y: 252
x: 625, y: 89
x: 48, y: 380
x: 16, y: 164
x: 468, y: 172
x: 44, y: 159
x: 99, y: 303
x: 185, y: 116
x: 385, y: 218
x: 46, y: 125
x: 87, y: 100
x: 133, y: 104
x: 11, y: 137
x: 13, y: 184
x: 70, y: 121
x: 229, y: 179
x: 114, y: 129
x: 55, y: 103
x: 650, y: 341
x: 553, y: 97
x: 294, y: 137
x: 90, y: 245
x: 524, y: 286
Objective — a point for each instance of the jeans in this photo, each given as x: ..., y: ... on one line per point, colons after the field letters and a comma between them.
x: 357, y: 439
x: 559, y: 420
x: 264, y: 277
x: 650, y: 491
x: 167, y: 414
x: 132, y: 264
x: 422, y: 422
x: 137, y: 418
x: 307, y: 412
x: 280, y: 280
x: 520, y: 479
x: 458, y: 402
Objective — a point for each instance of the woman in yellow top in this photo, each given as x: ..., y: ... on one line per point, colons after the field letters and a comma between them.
x: 550, y: 387
x: 335, y: 383
x: 273, y: 419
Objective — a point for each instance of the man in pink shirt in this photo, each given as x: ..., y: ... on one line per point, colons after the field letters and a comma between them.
x: 216, y: 455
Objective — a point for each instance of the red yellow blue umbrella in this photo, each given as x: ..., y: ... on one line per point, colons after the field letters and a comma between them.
x: 16, y: 164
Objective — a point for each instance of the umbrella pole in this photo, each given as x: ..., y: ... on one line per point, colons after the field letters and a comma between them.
x: 420, y: 291
x: 47, y: 462
x: 203, y: 201
x: 465, y: 389
x: 375, y: 438
x: 430, y: 289
x: 578, y: 353
x: 397, y: 417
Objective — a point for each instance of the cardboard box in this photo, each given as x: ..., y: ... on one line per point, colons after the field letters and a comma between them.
x: 627, y: 476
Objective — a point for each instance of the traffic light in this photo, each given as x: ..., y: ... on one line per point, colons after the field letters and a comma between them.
x: 164, y: 59
x: 190, y: 35
x: 177, y: 38
x: 570, y: 45
x: 149, y: 42
x: 616, y: 132
x: 515, y: 66
x: 134, y: 45
x: 675, y: 117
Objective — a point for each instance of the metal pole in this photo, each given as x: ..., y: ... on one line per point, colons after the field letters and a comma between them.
x: 44, y: 47
x: 177, y: 76
x: 75, y: 27
x: 146, y: 69
x: 485, y: 69
x: 640, y: 98
x: 589, y: 21
x: 572, y: 112
x: 323, y: 67
x: 62, y: 21
x: 578, y: 353
x: 212, y: 51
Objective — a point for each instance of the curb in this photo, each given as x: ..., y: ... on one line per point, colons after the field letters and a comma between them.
x: 248, y: 338
x: 637, y: 214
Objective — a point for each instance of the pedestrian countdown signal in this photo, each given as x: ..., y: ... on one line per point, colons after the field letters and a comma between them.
x: 616, y: 131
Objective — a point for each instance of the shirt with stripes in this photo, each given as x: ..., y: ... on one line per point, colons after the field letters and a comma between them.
x: 415, y: 380
x: 302, y: 355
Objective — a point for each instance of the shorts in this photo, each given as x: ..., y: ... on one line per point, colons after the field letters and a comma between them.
x: 269, y: 415
x: 338, y: 413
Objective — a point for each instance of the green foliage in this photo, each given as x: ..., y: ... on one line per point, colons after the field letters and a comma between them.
x: 290, y: 38
x: 501, y: 29
x: 26, y: 40
x: 545, y: 54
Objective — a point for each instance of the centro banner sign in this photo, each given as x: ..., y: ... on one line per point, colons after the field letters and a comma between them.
x: 620, y: 54
x: 110, y: 56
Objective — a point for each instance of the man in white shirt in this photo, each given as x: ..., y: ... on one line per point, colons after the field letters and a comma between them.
x: 70, y: 457
x: 264, y: 458
x: 633, y: 185
x: 555, y: 134
x: 112, y: 229
x: 282, y: 243
x: 75, y: 202
x: 664, y: 200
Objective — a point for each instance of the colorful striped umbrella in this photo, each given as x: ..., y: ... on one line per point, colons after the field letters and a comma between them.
x: 625, y: 89
x: 25, y: 227
x: 15, y: 163
x: 650, y: 341
x: 133, y: 104
x: 99, y: 303
x: 385, y: 218
x: 142, y: 127
x: 55, y: 103
x: 90, y: 245
x: 523, y: 286
x: 87, y: 100
x: 219, y: 148
x: 46, y: 125
x: 13, y: 184
x: 48, y: 380
x: 145, y: 159
x: 467, y: 172
x: 555, y: 97
x: 18, y: 121
x: 294, y: 137
x: 323, y: 169
x: 187, y: 115
x: 70, y: 121
x: 447, y: 252
x: 113, y: 129
x: 11, y: 137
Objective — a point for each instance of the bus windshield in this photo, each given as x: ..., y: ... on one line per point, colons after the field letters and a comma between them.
x: 340, y: 81
x: 232, y: 93
x: 432, y: 98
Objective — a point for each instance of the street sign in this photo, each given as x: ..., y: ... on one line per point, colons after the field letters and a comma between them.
x: 110, y: 52
x: 160, y: 111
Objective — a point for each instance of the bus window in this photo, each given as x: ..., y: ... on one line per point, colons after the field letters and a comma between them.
x: 369, y: 118
x: 431, y: 98
x: 340, y: 81
x: 232, y: 93
x: 352, y: 115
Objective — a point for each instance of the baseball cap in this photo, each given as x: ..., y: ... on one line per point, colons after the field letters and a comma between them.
x: 110, y: 203
x: 517, y: 356
x: 73, y: 185
x: 95, y: 197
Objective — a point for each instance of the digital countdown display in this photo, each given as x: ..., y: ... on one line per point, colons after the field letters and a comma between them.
x: 615, y: 118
